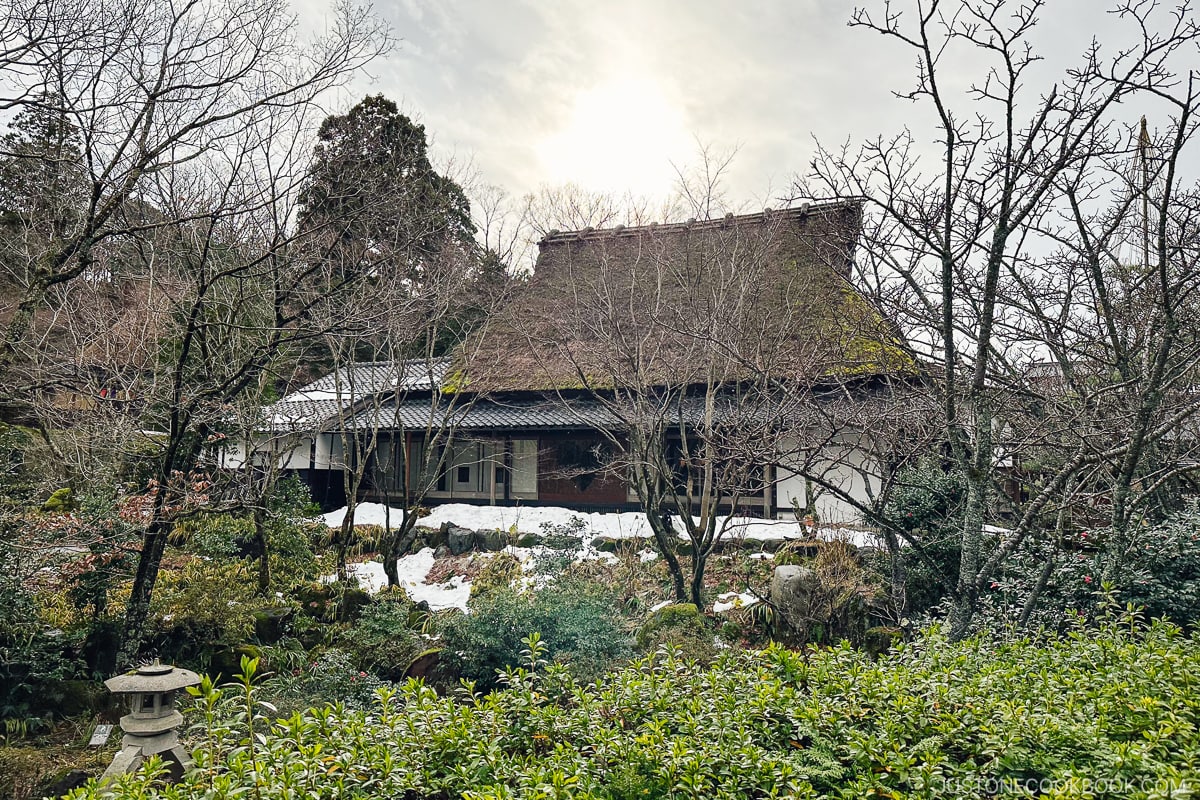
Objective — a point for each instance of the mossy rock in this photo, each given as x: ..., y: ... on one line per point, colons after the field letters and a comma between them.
x: 761, y: 545
x: 606, y: 544
x: 351, y: 603
x: 529, y: 540
x: 28, y: 772
x: 490, y: 541
x: 423, y: 665
x: 226, y: 662
x: 270, y: 624
x: 796, y: 551
x: 434, y: 537
x: 61, y: 501
x: 880, y: 639
x: 681, y: 625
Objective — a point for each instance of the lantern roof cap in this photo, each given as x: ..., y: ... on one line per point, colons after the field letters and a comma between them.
x: 153, y: 677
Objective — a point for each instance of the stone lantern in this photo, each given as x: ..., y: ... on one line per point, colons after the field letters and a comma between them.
x: 152, y: 725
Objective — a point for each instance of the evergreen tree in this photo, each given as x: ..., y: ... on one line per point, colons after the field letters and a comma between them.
x: 374, y: 201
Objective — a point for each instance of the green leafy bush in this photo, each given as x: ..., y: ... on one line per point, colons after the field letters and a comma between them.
x: 928, y: 501
x: 1106, y: 712
x: 200, y: 606
x: 386, y: 637
x: 331, y: 678
x: 682, y: 626
x: 34, y: 658
x: 579, y: 624
x: 1165, y: 571
x: 1162, y: 575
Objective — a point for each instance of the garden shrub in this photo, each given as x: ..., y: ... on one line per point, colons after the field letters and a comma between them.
x: 1164, y: 575
x: 34, y: 658
x: 386, y: 637
x: 1103, y: 712
x: 332, y: 602
x: 928, y: 501
x: 331, y: 678
x: 498, y: 573
x: 1161, y: 575
x: 682, y: 626
x: 201, y: 606
x: 578, y: 623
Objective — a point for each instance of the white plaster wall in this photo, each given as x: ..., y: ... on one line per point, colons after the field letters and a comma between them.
x: 329, y: 452
x: 843, y: 464
x: 291, y: 452
x: 232, y: 456
x: 298, y: 456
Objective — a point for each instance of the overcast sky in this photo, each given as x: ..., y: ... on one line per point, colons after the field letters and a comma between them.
x: 608, y: 94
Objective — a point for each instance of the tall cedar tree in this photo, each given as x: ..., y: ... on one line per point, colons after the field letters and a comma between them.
x: 377, y: 198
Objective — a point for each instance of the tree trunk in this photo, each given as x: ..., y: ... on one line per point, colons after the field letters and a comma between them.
x: 153, y: 545
x: 1036, y: 593
x: 899, y: 577
x: 666, y: 539
x: 699, y: 562
x: 965, y: 594
x: 395, y: 544
x: 264, y: 550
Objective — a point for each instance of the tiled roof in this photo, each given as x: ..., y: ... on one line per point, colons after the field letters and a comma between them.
x: 314, y: 406
x: 369, y: 377
x: 579, y: 413
x: 481, y: 414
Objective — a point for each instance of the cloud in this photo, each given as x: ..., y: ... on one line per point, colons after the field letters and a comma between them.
x: 601, y: 93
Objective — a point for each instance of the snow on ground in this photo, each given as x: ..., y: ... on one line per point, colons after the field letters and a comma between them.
x: 627, y: 525
x: 530, y: 519
x: 732, y: 600
x: 413, y: 568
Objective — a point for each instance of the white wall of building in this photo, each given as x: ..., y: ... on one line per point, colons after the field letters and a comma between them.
x: 843, y: 464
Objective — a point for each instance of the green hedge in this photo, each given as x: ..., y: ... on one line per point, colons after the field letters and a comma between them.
x: 1108, y: 712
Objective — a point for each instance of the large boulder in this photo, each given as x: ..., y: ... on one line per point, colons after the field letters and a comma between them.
x: 459, y: 540
x: 490, y: 541
x: 792, y: 593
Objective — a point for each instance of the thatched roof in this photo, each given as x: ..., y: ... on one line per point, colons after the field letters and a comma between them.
x: 722, y: 299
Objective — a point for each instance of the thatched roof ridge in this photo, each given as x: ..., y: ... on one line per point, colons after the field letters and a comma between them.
x: 731, y: 296
x: 767, y: 215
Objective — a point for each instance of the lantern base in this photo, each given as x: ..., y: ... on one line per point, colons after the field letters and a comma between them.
x: 132, y: 756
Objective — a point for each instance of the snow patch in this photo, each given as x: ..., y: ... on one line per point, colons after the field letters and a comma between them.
x: 412, y: 570
x: 731, y: 600
x: 626, y: 525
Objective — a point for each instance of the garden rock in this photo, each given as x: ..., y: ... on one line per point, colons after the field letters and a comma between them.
x: 792, y: 590
x: 424, y: 664
x: 491, y: 541
x: 459, y: 540
x: 270, y: 624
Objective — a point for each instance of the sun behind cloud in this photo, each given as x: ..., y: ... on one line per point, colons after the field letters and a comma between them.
x: 620, y: 135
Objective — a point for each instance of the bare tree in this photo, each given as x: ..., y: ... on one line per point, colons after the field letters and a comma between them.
x: 980, y: 254
x: 149, y: 86
x: 190, y: 122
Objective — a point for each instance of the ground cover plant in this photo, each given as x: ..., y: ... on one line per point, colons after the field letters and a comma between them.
x: 1104, y: 711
